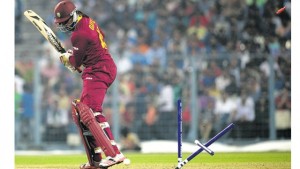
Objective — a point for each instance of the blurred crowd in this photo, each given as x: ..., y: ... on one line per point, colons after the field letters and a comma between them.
x: 157, y: 44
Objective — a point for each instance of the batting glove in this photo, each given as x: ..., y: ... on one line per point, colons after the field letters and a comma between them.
x: 64, y: 59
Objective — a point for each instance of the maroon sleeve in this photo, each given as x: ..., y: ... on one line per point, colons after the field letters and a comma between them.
x: 79, y: 42
x: 72, y: 60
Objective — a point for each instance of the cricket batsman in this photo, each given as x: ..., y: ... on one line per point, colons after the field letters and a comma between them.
x: 90, y: 51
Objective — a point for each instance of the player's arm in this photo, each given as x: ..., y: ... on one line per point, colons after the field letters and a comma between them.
x: 80, y: 42
x: 74, y: 58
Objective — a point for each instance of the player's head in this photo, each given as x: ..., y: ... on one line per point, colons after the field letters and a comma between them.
x: 65, y: 15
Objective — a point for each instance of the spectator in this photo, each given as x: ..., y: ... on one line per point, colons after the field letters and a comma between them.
x: 19, y: 82
x: 138, y: 55
x: 56, y: 117
x: 166, y: 109
x: 177, y: 45
x: 56, y: 122
x: 234, y: 70
x: 224, y: 111
x: 150, y: 129
x: 261, y: 121
x: 64, y: 100
x: 157, y: 52
x: 129, y: 140
x: 283, y: 114
x: 18, y: 111
x: 124, y: 63
x: 214, y: 92
x: 50, y: 72
x: 27, y: 114
x: 129, y: 116
x: 140, y: 100
x: 232, y: 88
x: 206, y: 120
x: 223, y: 81
x: 244, y: 115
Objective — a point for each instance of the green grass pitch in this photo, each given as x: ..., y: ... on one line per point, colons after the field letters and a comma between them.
x: 265, y: 160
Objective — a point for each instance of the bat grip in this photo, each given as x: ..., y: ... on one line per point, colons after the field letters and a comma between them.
x: 78, y: 69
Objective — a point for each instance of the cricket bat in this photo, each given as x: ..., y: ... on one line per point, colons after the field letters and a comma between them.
x: 46, y: 31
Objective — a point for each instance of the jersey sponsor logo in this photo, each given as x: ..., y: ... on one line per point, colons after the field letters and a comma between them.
x: 75, y: 48
x: 89, y: 78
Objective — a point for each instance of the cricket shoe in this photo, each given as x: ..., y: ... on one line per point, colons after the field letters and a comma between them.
x: 110, y: 161
x: 88, y: 166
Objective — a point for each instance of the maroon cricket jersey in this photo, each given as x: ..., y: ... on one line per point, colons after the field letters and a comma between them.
x: 90, y: 49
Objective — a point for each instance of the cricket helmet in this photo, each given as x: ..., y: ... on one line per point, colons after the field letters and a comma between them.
x: 65, y: 11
